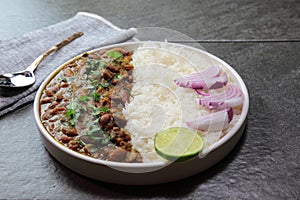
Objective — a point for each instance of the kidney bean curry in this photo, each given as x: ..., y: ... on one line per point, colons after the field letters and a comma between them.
x: 81, y: 107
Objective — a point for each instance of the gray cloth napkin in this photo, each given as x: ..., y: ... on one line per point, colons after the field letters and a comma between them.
x: 18, y: 53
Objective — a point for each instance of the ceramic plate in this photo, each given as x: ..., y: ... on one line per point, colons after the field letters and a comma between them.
x: 153, y: 172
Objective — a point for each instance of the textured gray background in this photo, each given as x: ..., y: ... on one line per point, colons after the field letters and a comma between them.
x: 265, y: 163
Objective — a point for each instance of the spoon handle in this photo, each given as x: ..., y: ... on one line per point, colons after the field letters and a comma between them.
x: 39, y: 59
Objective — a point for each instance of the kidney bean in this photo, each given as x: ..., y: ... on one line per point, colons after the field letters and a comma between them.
x: 47, y: 115
x: 107, y: 75
x: 55, y: 88
x: 46, y: 100
x: 128, y: 67
x: 49, y: 93
x: 64, y: 84
x: 105, y: 119
x: 68, y: 72
x: 53, y: 104
x: 69, y: 131
x: 65, y: 139
x: 51, y: 127
x: 57, y: 110
x: 113, y: 68
x: 59, y: 97
x: 53, y: 119
x: 74, y: 144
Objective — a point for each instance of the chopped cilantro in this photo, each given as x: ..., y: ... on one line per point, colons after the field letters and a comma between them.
x: 74, y: 111
x: 95, y: 96
x: 70, y: 112
x: 94, y: 83
x: 72, y: 122
x: 92, y: 96
x: 94, y: 110
x: 115, y: 54
x: 105, y: 85
x: 118, y: 76
x: 94, y: 64
x: 96, y: 73
x: 83, y: 98
x: 104, y: 109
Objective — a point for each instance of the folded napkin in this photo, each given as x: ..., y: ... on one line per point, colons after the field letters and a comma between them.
x: 18, y: 53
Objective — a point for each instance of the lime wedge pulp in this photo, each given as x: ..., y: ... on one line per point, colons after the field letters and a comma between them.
x: 178, y: 143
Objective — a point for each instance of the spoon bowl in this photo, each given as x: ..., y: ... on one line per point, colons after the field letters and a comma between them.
x: 26, y: 77
x: 17, y: 79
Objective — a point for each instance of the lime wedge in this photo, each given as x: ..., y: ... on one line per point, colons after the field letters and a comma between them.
x: 178, y: 143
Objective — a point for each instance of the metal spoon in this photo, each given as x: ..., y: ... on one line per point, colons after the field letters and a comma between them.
x: 26, y: 77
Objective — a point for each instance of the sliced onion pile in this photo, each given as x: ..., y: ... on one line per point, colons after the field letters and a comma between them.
x: 221, y: 103
x: 211, y: 78
x: 231, y: 97
x: 215, y: 121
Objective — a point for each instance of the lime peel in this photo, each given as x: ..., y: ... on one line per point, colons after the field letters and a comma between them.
x: 178, y: 143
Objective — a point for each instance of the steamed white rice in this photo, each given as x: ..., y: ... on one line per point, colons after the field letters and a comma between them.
x: 156, y: 102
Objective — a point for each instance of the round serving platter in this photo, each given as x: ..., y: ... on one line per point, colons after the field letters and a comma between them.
x: 145, y: 173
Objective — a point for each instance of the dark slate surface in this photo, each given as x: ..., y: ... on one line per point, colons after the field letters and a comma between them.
x: 205, y: 19
x: 265, y: 163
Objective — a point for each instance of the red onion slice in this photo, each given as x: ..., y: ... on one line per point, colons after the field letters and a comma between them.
x: 207, y: 79
x: 202, y: 93
x: 231, y: 97
x: 212, y: 122
x: 216, y: 82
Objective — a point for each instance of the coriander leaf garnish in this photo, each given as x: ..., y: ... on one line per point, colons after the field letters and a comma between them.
x: 104, y: 109
x: 95, y: 96
x: 94, y: 110
x: 118, y: 76
x: 74, y: 112
x: 70, y: 112
x: 115, y: 54
x: 92, y: 96
x: 94, y: 64
x: 83, y: 98
x: 105, y: 85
